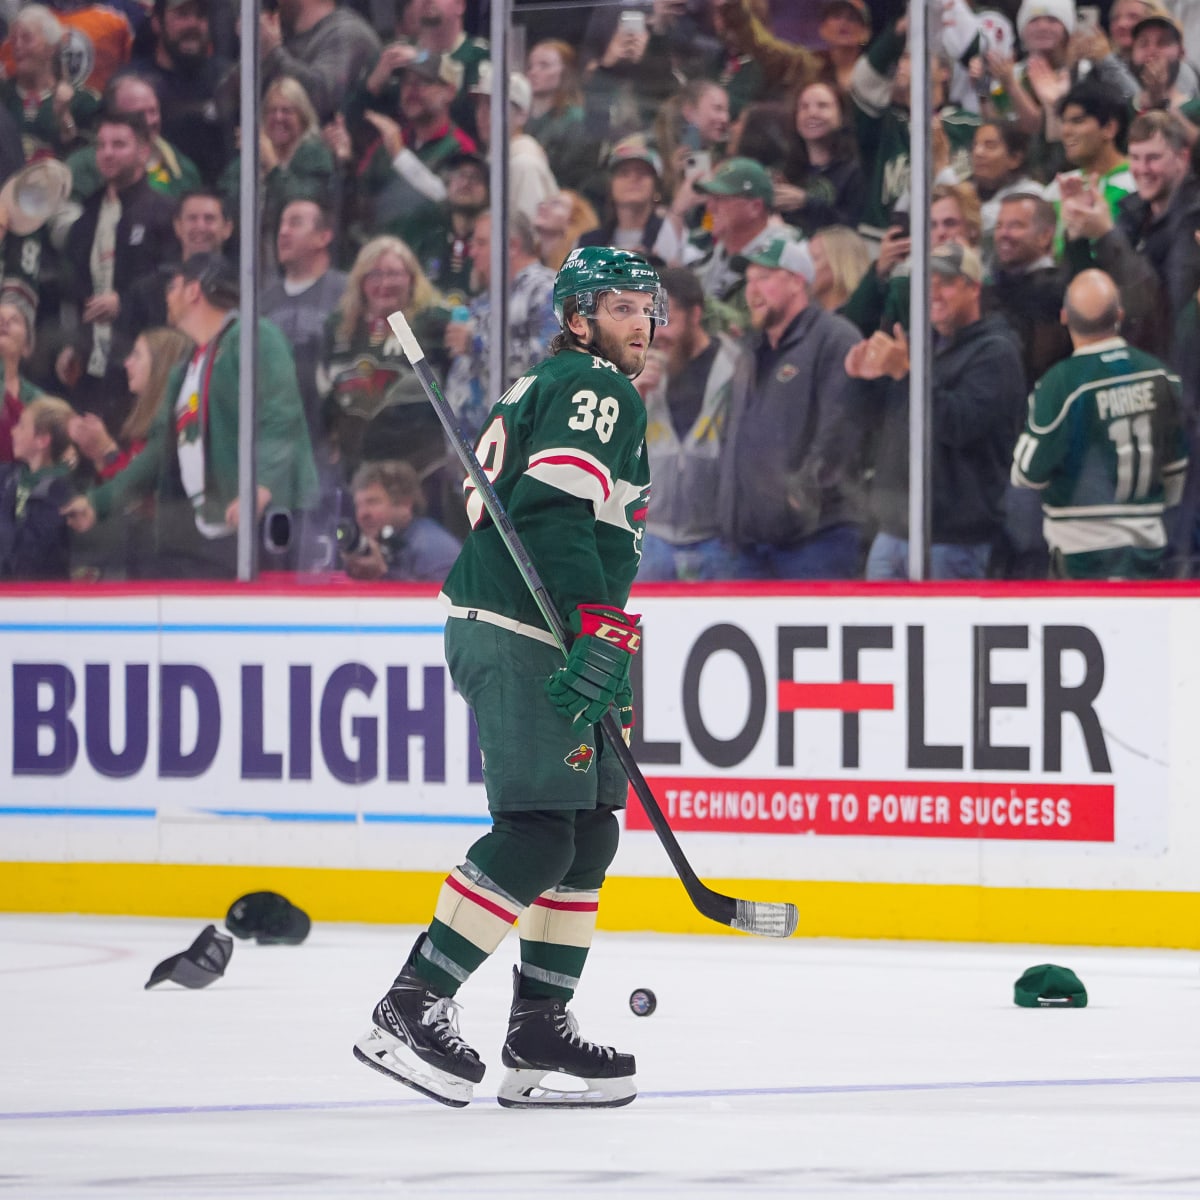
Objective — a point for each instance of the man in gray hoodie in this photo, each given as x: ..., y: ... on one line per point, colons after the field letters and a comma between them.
x: 789, y: 494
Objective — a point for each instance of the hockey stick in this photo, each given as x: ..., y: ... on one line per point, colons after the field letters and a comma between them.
x: 749, y: 916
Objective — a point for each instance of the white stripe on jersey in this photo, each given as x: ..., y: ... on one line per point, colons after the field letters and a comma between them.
x: 1096, y: 385
x: 573, y: 471
x: 1079, y: 537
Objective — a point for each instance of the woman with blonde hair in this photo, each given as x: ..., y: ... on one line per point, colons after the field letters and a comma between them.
x: 294, y: 161
x: 841, y: 258
x: 373, y: 404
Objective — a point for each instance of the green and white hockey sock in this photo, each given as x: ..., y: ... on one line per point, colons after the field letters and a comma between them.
x: 472, y: 916
x: 556, y: 934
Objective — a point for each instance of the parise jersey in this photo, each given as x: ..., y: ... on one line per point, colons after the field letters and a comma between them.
x: 565, y: 450
x: 1104, y: 444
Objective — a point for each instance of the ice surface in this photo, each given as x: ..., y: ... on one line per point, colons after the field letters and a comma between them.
x: 798, y: 1068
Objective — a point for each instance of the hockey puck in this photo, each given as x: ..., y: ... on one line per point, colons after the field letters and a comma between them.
x: 642, y: 1002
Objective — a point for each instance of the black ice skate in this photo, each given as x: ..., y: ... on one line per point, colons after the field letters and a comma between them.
x: 543, y: 1039
x: 415, y: 1039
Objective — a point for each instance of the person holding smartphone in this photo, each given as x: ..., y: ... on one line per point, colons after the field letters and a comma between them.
x: 625, y: 83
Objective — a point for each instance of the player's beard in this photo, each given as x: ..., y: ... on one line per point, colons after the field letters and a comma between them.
x: 614, y: 347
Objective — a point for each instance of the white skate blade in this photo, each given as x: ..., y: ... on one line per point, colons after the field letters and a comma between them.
x: 393, y: 1058
x: 527, y: 1088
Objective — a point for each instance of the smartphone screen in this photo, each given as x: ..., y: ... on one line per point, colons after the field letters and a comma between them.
x: 633, y: 22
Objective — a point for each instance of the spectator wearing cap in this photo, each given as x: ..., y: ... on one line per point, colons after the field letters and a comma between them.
x: 789, y: 493
x: 556, y: 113
x: 190, y: 462
x: 326, y: 47
x: 400, y: 169
x: 976, y: 397
x: 123, y: 233
x: 740, y: 198
x: 1034, y: 84
x: 439, y: 234
x: 845, y: 29
x: 883, y: 296
x: 438, y: 29
x: 531, y: 322
x: 530, y: 180
x: 633, y: 218
x: 686, y: 386
x: 185, y: 71
x: 1158, y: 59
x: 1059, y: 53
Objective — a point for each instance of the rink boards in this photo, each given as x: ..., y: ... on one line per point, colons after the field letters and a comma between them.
x: 1009, y: 764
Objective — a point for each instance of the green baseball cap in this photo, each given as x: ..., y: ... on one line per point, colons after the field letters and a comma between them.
x: 1048, y: 986
x: 739, y: 177
x: 783, y: 252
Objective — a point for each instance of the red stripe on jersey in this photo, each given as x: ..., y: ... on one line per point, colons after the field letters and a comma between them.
x: 567, y: 905
x: 559, y: 460
x: 476, y: 898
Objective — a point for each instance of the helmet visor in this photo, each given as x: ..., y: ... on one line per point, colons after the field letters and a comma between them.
x: 625, y: 304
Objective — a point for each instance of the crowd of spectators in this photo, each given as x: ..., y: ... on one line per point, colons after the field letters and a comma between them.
x: 767, y: 176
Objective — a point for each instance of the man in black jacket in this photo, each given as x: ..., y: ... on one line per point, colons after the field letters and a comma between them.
x: 1026, y: 289
x: 1026, y: 286
x: 123, y: 233
x: 975, y: 407
x: 1150, y: 250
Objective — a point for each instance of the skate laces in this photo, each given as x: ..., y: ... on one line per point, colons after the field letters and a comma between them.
x: 442, y: 1017
x: 568, y: 1025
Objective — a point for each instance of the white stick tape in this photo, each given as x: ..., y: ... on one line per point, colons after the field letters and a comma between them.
x: 404, y: 335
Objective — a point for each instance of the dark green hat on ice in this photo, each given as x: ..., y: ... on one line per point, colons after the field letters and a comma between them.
x: 1049, y: 986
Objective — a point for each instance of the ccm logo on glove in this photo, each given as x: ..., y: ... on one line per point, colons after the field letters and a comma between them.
x: 610, y: 625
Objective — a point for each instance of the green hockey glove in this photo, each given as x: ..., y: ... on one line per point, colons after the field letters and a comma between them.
x: 597, y: 666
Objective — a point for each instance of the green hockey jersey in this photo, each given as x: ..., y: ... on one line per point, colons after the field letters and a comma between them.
x: 1104, y: 443
x: 565, y: 450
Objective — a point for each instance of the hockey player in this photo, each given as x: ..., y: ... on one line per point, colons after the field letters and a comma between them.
x: 1104, y: 444
x: 564, y: 447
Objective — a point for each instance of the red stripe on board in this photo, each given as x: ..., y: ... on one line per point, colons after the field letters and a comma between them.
x: 849, y: 696
x: 567, y: 905
x: 559, y: 460
x: 486, y: 905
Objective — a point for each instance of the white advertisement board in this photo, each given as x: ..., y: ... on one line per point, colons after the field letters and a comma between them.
x: 1020, y: 741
